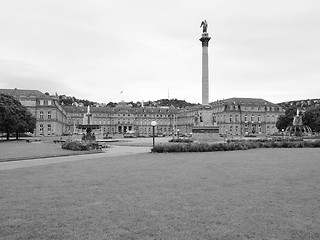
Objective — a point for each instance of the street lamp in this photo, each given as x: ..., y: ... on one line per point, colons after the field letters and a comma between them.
x: 153, y: 124
x: 226, y: 136
x: 178, y: 131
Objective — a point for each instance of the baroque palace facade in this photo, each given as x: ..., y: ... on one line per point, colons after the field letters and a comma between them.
x: 234, y: 116
x: 124, y: 118
x: 51, y: 117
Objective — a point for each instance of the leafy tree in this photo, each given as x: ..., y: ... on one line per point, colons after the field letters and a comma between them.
x: 312, y: 118
x: 112, y: 104
x: 14, y: 117
x: 287, y: 119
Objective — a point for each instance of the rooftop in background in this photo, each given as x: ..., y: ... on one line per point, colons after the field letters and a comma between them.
x: 119, y: 109
x: 25, y: 93
x: 245, y: 101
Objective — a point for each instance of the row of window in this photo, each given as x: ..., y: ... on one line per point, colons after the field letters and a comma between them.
x: 235, y: 118
x: 247, y: 129
x: 122, y: 121
x: 48, y: 102
x: 245, y: 108
x: 42, y: 114
x: 49, y: 128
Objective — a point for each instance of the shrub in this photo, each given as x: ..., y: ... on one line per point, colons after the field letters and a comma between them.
x: 80, y: 145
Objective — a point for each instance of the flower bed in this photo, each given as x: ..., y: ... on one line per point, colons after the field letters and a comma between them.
x: 231, y: 146
x: 80, y: 145
x: 181, y: 140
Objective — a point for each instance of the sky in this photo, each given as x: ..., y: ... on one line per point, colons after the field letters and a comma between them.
x: 114, y: 50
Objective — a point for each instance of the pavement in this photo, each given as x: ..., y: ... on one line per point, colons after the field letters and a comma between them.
x: 113, y: 151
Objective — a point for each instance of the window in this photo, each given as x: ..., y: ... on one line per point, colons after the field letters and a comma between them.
x: 49, y: 102
x: 230, y: 118
x: 236, y: 118
x: 41, y: 102
x: 245, y: 118
x: 252, y: 118
x: 259, y: 118
x: 41, y: 114
x: 49, y: 114
x: 41, y: 127
x: 49, y: 127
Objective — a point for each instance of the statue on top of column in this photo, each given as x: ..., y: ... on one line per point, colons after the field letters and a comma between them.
x: 204, y: 26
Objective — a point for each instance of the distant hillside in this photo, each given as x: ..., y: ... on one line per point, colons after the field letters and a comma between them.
x: 303, y: 104
x: 69, y: 101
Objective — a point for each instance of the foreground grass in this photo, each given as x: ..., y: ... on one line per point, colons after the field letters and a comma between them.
x: 255, y: 194
x: 20, y: 150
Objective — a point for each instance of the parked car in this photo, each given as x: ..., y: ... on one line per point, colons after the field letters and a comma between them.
x: 130, y: 134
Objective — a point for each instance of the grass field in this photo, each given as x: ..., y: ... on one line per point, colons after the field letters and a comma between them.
x: 20, y: 150
x: 254, y: 194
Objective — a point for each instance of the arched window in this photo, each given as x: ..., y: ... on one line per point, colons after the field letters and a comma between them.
x: 41, y: 127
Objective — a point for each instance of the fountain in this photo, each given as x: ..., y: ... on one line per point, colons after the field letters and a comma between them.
x: 298, y: 129
x: 88, y: 126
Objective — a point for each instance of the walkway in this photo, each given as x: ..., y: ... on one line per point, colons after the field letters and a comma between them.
x: 109, y: 152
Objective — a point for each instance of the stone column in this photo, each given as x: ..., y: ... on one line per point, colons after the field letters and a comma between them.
x: 205, y: 71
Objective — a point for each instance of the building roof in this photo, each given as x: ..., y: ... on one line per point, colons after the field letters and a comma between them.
x: 25, y: 93
x: 245, y: 101
x: 120, y: 110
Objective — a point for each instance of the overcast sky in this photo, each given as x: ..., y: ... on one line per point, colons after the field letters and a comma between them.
x: 149, y: 50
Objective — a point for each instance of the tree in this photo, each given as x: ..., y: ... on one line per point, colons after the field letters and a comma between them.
x: 312, y: 118
x: 14, y: 117
x: 112, y: 104
x: 287, y: 119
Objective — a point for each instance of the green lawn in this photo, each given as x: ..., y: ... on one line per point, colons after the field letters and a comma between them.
x: 18, y: 150
x: 254, y: 194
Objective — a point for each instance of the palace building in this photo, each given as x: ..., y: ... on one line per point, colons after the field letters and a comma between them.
x: 56, y: 120
x: 243, y: 116
x: 233, y: 116
x: 124, y: 118
x: 51, y: 117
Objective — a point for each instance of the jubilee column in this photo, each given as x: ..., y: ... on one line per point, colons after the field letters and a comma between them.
x: 205, y: 72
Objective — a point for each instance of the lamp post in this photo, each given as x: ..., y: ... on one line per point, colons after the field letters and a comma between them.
x: 153, y: 124
x: 178, y: 132
x: 226, y: 135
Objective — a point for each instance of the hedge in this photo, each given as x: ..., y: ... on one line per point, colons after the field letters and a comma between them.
x: 232, y: 146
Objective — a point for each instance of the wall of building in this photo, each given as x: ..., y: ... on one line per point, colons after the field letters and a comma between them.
x: 123, y: 119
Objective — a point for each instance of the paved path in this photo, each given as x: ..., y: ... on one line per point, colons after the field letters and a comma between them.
x: 109, y: 152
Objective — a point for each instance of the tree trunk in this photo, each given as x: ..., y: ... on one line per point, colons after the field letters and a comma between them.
x: 8, y: 135
x: 17, y: 135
